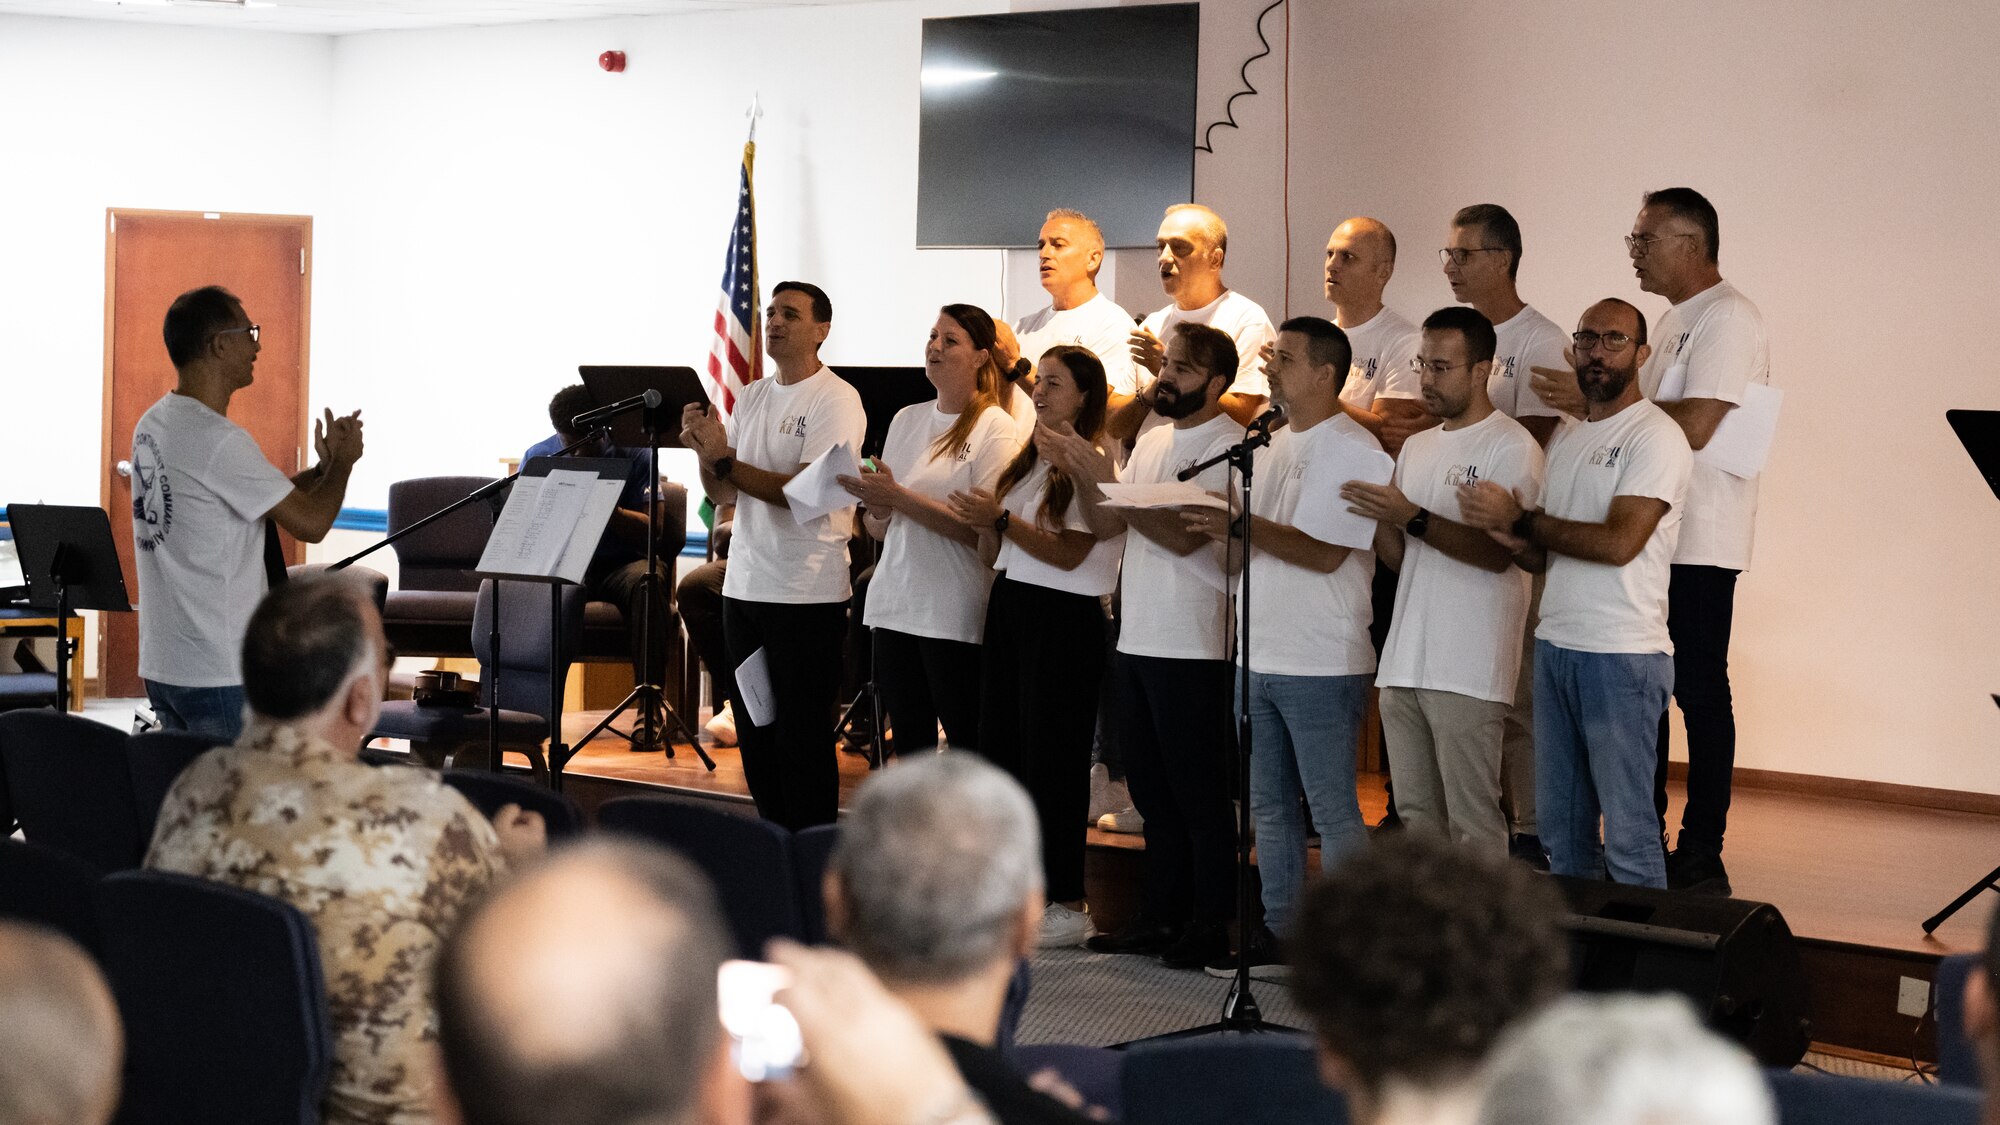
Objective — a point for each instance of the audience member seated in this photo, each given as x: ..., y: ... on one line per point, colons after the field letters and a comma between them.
x: 1412, y: 958
x: 584, y: 992
x: 1621, y: 1060
x: 60, y: 1043
x: 383, y: 861
x: 937, y: 885
x: 1982, y: 1019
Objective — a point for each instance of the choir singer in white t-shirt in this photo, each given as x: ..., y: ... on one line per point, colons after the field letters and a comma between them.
x: 1043, y: 658
x: 927, y: 601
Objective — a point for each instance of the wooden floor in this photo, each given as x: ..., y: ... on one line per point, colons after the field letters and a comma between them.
x: 1842, y: 871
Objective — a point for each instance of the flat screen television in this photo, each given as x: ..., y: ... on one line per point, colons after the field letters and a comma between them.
x: 1028, y: 111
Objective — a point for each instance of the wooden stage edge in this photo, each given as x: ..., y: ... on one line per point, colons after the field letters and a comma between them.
x: 1854, y: 867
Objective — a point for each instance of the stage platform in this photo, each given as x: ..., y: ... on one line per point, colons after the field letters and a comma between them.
x: 1854, y: 878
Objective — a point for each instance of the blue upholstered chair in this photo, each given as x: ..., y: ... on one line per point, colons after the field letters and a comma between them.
x: 1825, y: 1099
x: 747, y: 858
x: 489, y: 792
x: 155, y: 759
x: 812, y: 850
x: 49, y: 888
x: 222, y: 997
x: 1957, y: 1063
x: 67, y: 779
x: 1268, y: 1079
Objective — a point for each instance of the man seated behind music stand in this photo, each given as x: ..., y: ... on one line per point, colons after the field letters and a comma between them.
x: 616, y: 571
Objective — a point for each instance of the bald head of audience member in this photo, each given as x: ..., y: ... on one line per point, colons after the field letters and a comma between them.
x: 1360, y: 260
x: 584, y: 993
x: 1411, y: 958
x: 61, y: 1046
x: 936, y: 885
x: 1193, y: 241
x: 315, y: 658
x: 1621, y: 1060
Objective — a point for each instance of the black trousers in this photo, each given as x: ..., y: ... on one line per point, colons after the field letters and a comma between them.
x: 1041, y: 671
x: 789, y: 763
x: 645, y: 608
x: 1701, y: 604
x: 1174, y: 727
x: 700, y: 597
x: 926, y: 681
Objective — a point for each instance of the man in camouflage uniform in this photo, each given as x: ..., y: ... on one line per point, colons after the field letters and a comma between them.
x: 383, y: 860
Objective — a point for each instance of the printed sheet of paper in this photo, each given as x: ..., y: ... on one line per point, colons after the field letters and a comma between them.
x: 1741, y: 443
x: 1322, y: 513
x: 1166, y: 494
x: 816, y: 490
x: 590, y: 527
x: 753, y: 682
x: 535, y: 528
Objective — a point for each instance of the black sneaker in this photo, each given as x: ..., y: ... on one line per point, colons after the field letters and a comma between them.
x: 1144, y: 936
x: 1199, y: 944
x: 1698, y: 871
x: 1528, y: 849
x: 1267, y: 959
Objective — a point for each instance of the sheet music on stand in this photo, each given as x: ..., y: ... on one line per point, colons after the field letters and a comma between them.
x: 554, y: 517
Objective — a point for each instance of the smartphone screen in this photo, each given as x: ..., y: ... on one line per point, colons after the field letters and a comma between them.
x: 763, y: 1036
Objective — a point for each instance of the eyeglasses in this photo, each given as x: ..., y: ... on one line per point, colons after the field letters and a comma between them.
x: 254, y: 330
x: 1641, y: 246
x: 1614, y: 342
x: 1456, y: 256
x: 1433, y: 366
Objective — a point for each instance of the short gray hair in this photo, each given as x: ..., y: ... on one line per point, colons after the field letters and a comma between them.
x: 934, y: 862
x: 1212, y: 227
x: 1622, y: 1060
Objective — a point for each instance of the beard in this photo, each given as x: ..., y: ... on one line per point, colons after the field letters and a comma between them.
x: 1601, y: 382
x: 1172, y: 405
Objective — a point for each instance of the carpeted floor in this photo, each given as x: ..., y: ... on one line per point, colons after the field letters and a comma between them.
x: 1097, y: 999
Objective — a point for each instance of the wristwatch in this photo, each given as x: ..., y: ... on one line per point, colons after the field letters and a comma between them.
x: 1419, y: 523
x: 1001, y: 521
x: 723, y: 467
x: 1523, y: 526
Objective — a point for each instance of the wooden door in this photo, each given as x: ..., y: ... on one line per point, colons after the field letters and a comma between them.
x: 151, y: 257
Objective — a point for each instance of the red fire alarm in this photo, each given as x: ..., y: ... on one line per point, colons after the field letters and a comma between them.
x: 612, y: 61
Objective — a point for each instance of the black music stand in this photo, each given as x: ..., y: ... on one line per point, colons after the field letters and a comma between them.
x: 1979, y: 432
x: 651, y: 427
x: 69, y: 563
x: 884, y: 391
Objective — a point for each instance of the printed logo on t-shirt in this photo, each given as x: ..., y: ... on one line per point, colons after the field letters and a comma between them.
x: 1366, y: 369
x: 152, y: 495
x: 794, y: 426
x: 1462, y: 474
x: 1606, y: 455
x: 964, y: 452
x: 1506, y: 366
x: 1680, y: 341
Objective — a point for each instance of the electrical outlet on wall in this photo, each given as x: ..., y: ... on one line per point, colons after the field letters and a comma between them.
x: 1913, y: 997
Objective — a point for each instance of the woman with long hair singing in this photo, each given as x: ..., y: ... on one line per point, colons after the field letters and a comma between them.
x: 1043, y: 660
x: 927, y: 602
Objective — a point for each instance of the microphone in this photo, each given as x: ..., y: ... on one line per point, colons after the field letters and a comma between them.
x: 650, y: 400
x: 1263, y: 423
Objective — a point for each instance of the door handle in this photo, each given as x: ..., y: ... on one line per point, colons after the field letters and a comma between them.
x: 124, y: 469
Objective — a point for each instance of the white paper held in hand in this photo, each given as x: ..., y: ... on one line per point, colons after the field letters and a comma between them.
x: 1322, y: 513
x: 1741, y: 443
x: 1164, y: 494
x: 816, y: 490
x: 753, y: 682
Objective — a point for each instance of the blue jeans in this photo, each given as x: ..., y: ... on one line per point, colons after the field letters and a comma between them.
x: 213, y: 711
x: 1597, y: 717
x: 1303, y: 730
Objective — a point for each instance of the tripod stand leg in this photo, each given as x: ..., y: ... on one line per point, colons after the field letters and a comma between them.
x: 1990, y: 883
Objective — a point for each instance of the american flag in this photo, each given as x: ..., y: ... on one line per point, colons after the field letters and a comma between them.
x: 736, y: 357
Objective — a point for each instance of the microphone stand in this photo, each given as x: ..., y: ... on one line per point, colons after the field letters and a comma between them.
x: 1240, y: 1013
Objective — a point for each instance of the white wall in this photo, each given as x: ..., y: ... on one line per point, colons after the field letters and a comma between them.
x: 491, y: 209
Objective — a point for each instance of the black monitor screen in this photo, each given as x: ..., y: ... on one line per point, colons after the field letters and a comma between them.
x: 1022, y: 113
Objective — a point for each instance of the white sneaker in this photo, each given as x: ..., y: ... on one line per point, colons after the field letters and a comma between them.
x: 1100, y: 794
x: 1126, y: 819
x: 1063, y: 927
x: 722, y: 727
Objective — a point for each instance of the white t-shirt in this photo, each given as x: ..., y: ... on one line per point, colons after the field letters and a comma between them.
x: 1246, y: 323
x: 925, y: 584
x: 1097, y: 324
x: 1526, y: 340
x: 1174, y: 606
x: 1458, y: 627
x: 1021, y: 410
x: 1597, y: 607
x: 1383, y: 347
x: 1304, y: 622
x: 1096, y: 575
x: 779, y: 428
x: 1718, y: 335
x: 200, y: 491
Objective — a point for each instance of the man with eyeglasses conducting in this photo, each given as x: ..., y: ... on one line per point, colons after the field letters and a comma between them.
x: 201, y: 495
x: 1448, y: 675
x: 1481, y: 262
x: 1606, y: 534
x: 1712, y: 346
